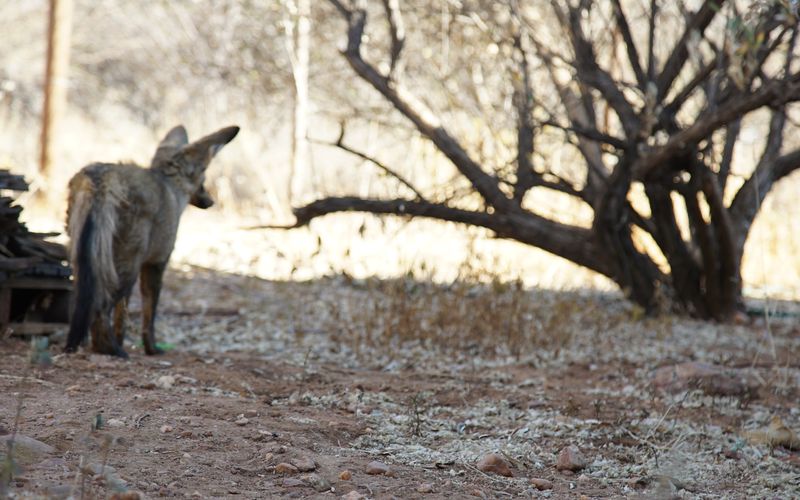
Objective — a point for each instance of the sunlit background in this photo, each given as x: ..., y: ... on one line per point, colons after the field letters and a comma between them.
x: 138, y: 69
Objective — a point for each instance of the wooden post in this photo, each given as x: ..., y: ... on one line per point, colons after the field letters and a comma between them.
x: 55, y: 81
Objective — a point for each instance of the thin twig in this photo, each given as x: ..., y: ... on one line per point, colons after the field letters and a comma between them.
x: 388, y: 170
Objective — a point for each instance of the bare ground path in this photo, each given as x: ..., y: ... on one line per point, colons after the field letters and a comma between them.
x: 265, y: 374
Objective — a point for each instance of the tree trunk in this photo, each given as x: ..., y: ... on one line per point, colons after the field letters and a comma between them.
x: 55, y: 82
x: 299, y: 41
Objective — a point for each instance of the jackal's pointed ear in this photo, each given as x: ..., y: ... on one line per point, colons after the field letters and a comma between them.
x: 170, y: 144
x: 202, y: 150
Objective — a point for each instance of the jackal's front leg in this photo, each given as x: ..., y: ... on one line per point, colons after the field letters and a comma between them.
x: 150, y: 286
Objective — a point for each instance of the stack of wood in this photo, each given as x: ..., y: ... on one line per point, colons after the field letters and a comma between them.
x: 34, y: 276
x: 21, y: 251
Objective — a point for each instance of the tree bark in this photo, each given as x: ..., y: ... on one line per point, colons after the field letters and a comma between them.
x: 298, y: 32
x: 59, y: 29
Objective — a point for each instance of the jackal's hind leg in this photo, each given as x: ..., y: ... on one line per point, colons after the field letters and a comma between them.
x: 150, y: 280
x: 103, y: 339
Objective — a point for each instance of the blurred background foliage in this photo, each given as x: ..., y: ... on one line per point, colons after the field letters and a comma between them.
x: 138, y: 68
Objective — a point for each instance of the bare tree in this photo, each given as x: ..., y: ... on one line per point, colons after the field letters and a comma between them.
x: 653, y: 106
x: 298, y: 31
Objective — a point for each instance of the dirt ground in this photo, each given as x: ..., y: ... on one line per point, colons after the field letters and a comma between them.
x: 259, y: 377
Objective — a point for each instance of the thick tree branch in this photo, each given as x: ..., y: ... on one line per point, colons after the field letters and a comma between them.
x: 573, y: 243
x: 523, y: 102
x: 667, y: 116
x: 425, y: 121
x: 581, y: 120
x: 591, y: 74
x: 591, y: 134
x: 401, y: 207
x: 396, y: 32
x: 727, y: 260
x: 776, y: 93
x: 698, y: 23
x: 686, y: 272
x: 559, y: 184
x: 748, y: 199
x: 705, y: 274
x: 651, y: 41
x: 630, y: 45
x: 731, y: 136
x: 770, y: 168
x: 635, y: 272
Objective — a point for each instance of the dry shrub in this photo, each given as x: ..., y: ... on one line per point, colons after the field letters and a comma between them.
x: 470, y: 314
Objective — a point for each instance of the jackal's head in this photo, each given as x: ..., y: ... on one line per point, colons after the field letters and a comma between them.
x: 186, y: 163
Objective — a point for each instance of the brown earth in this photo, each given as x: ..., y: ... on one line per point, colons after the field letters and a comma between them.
x: 268, y: 377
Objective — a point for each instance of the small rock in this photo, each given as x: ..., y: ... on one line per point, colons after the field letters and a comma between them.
x: 345, y: 475
x: 375, y: 468
x: 318, y: 482
x: 165, y: 382
x: 291, y: 482
x: 115, y: 422
x: 59, y: 492
x: 268, y: 457
x: 52, y: 464
x: 495, y: 464
x: 731, y: 454
x: 26, y: 449
x: 284, y: 468
x: 571, y: 459
x: 125, y: 495
x: 353, y: 495
x: 96, y: 469
x: 638, y: 483
x: 713, y: 380
x: 741, y: 318
x: 187, y: 434
x: 242, y: 420
x: 165, y: 429
x: 147, y: 385
x: 425, y: 488
x: 303, y: 464
x: 250, y: 414
x: 541, y: 484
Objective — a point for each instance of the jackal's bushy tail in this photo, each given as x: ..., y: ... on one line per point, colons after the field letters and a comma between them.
x: 91, y: 225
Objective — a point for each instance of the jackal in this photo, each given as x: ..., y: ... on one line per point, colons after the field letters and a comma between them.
x: 122, y: 221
